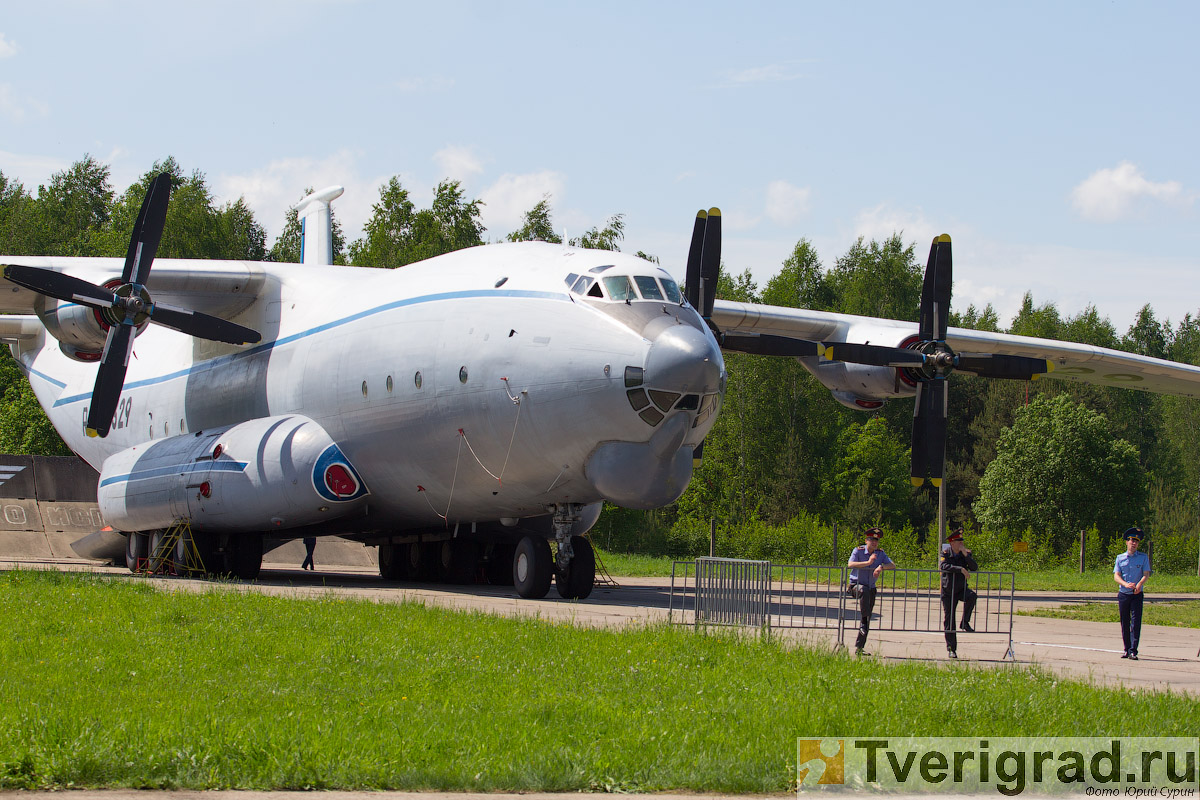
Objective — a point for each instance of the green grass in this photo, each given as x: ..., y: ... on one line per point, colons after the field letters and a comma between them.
x: 1184, y: 614
x: 109, y: 682
x: 1062, y: 579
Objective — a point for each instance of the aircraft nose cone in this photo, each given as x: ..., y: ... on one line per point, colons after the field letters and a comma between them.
x: 683, y: 359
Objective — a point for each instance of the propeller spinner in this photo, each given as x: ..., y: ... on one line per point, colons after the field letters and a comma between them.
x: 128, y: 305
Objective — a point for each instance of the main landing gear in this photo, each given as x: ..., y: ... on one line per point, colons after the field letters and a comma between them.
x: 193, y: 553
x: 573, y: 568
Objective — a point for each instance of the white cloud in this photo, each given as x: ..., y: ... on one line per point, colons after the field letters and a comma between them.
x: 18, y: 109
x: 507, y: 200
x: 1108, y: 195
x: 882, y: 221
x: 425, y: 84
x: 7, y: 49
x: 771, y: 73
x: 30, y: 170
x: 787, y: 204
x: 271, y: 190
x: 457, y: 163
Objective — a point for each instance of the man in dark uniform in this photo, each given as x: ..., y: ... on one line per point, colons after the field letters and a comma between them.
x: 957, y: 566
x: 866, y: 563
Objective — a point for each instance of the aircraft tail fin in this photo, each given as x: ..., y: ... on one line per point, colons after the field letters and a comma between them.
x: 316, y: 226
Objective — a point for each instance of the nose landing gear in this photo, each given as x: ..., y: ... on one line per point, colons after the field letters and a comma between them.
x: 573, y: 568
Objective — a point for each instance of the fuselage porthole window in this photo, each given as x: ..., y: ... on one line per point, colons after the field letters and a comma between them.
x: 648, y: 287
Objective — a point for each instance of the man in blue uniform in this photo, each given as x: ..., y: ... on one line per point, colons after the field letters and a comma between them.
x: 866, y: 563
x: 1130, y: 573
x: 957, y: 565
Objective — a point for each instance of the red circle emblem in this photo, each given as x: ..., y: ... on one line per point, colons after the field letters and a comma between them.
x: 339, y: 480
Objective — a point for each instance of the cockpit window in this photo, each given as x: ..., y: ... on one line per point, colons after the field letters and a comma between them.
x: 595, y: 291
x: 620, y: 287
x: 598, y: 270
x: 583, y: 284
x: 672, y: 290
x: 648, y: 287
x: 571, y: 279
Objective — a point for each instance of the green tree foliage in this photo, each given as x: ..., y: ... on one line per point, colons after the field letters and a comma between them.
x: 1059, y: 470
x: 195, y: 228
x: 73, y: 210
x: 24, y: 427
x: 606, y: 238
x: 878, y: 279
x: 398, y: 234
x: 874, y: 462
x: 537, y: 225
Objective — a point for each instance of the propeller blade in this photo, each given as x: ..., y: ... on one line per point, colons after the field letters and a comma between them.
x: 710, y: 263
x: 767, y: 345
x: 147, y: 231
x: 698, y: 455
x: 935, y: 292
x: 203, y: 326
x: 691, y: 278
x: 59, y: 286
x: 109, y: 380
x: 929, y: 432
x: 874, y: 355
x: 989, y: 365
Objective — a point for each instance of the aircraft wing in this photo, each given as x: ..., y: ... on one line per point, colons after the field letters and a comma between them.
x: 219, y: 288
x: 1073, y: 362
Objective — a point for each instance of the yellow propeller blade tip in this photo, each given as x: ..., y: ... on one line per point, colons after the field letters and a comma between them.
x: 702, y: 214
x: 1049, y: 366
x: 714, y: 212
x: 945, y: 238
x: 937, y: 482
x: 828, y: 353
x: 92, y: 432
x: 916, y: 481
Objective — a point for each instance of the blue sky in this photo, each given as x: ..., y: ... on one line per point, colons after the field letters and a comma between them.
x: 1055, y: 141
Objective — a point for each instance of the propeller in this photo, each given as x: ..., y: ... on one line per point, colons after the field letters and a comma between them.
x: 931, y: 360
x: 128, y: 306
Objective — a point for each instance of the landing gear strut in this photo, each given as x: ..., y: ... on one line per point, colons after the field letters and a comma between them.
x: 575, y: 566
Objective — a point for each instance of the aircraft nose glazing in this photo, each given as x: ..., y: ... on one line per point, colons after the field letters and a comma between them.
x: 685, y: 360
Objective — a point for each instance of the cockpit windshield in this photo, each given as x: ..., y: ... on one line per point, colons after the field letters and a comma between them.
x: 626, y: 288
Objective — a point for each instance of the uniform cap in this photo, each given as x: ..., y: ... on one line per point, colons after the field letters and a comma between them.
x: 1134, y: 533
x: 873, y: 533
x: 956, y: 535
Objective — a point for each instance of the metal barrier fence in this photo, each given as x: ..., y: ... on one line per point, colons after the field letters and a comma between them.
x: 712, y: 591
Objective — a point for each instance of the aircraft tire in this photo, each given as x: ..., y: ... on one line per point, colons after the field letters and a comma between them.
x: 392, y: 561
x: 533, y: 566
x: 156, y: 560
x: 577, y: 581
x: 137, y: 548
x: 410, y: 561
x: 244, y: 556
x: 462, y: 562
x: 499, y: 566
x: 429, y: 568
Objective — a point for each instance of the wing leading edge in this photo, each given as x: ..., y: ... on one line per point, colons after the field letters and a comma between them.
x: 1072, y: 361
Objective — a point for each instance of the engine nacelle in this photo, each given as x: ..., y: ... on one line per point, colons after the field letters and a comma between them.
x: 856, y: 403
x: 80, y: 332
x: 266, y: 474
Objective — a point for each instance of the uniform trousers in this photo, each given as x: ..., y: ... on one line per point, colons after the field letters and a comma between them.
x: 1130, y: 606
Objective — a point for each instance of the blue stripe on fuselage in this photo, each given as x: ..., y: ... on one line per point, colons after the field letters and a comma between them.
x: 262, y: 348
x: 177, y: 469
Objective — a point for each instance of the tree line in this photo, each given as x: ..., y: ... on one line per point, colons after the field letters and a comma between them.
x: 1048, y: 457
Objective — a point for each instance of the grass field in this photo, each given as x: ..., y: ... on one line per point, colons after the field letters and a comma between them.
x: 1061, y: 580
x: 1180, y: 615
x: 110, y: 682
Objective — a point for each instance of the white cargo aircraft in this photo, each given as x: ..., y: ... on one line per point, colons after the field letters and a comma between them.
x: 458, y: 413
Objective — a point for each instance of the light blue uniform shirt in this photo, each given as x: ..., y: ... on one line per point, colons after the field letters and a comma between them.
x: 865, y: 576
x: 1131, y: 568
